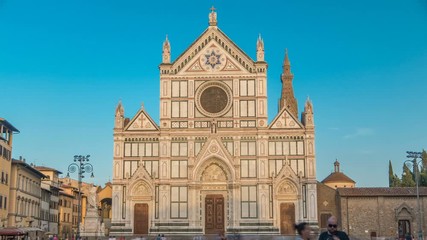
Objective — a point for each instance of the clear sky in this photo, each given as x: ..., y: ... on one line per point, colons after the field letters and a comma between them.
x: 64, y: 65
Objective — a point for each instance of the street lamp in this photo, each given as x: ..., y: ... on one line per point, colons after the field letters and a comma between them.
x: 415, y: 163
x: 80, y: 165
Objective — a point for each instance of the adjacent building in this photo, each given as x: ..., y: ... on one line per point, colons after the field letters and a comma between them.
x: 65, y: 214
x: 6, y: 136
x: 25, y: 195
x: 50, y: 185
x: 365, y: 213
x: 214, y: 162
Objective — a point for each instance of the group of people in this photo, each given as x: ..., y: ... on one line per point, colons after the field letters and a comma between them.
x: 332, y: 233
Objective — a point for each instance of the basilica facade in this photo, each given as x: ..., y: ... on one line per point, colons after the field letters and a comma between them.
x: 214, y: 163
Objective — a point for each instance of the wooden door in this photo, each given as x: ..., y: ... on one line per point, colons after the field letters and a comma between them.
x: 140, y: 217
x: 287, y: 218
x: 214, y: 214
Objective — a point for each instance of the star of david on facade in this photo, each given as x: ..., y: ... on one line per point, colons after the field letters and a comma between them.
x: 213, y: 59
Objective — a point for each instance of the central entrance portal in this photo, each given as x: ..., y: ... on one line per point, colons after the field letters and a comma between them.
x: 214, y: 214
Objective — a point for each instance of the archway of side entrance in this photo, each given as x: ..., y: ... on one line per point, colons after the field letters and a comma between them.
x: 140, y: 202
x: 287, y: 204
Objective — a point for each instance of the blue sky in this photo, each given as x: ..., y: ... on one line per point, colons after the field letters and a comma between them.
x: 64, y: 65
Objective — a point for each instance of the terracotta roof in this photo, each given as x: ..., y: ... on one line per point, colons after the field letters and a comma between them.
x: 28, y: 167
x: 381, y: 191
x: 43, y: 168
x: 337, y: 177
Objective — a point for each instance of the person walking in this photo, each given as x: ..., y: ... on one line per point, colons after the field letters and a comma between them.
x: 303, y: 231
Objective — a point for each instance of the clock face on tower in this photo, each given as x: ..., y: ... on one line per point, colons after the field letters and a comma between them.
x: 213, y: 99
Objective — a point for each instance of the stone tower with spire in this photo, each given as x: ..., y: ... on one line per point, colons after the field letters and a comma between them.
x: 287, y: 98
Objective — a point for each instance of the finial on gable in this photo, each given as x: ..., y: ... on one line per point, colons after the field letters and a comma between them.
x: 212, y: 17
x: 260, y: 49
x: 166, y: 52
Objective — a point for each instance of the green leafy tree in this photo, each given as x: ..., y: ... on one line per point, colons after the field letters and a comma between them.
x: 407, y: 177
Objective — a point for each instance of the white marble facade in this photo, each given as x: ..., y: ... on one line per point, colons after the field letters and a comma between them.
x: 214, y: 142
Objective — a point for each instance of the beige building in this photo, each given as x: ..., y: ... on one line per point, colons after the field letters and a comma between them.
x: 51, y: 186
x: 65, y: 215
x: 214, y: 163
x: 25, y: 195
x: 6, y: 137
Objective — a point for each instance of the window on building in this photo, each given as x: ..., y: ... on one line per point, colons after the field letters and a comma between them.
x: 179, y: 202
x: 249, y: 202
x: 179, y: 109
x: 124, y: 203
x: 179, y: 89
x: 247, y: 108
x: 156, y: 202
x: 179, y: 169
x: 282, y: 148
x: 248, y: 168
x: 270, y: 200
x: 198, y: 146
x: 248, y: 148
x: 324, y: 219
x: 275, y: 165
x: 142, y: 149
x: 304, y: 201
x: 179, y: 149
x: 229, y: 145
x: 247, y: 87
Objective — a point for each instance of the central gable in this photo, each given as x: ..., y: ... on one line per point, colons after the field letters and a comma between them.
x: 213, y: 52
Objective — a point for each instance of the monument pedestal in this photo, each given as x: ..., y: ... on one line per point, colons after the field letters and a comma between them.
x: 92, y: 226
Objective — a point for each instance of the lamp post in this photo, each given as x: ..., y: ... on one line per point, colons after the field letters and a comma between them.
x: 415, y: 163
x: 80, y: 165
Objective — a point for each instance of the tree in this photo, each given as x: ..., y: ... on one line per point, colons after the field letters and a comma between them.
x: 390, y: 174
x: 423, y: 170
x: 407, y: 177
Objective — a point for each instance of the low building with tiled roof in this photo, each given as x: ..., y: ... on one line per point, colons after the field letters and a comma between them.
x: 338, y: 179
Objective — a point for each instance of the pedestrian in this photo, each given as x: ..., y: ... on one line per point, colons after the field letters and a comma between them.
x: 158, y: 237
x: 333, y: 233
x: 303, y: 231
x: 163, y: 237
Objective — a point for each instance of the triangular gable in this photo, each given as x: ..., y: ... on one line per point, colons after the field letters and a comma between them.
x: 286, y: 181
x: 214, y: 45
x: 141, y: 183
x: 286, y: 172
x: 142, y: 122
x: 285, y: 120
x: 213, y: 147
